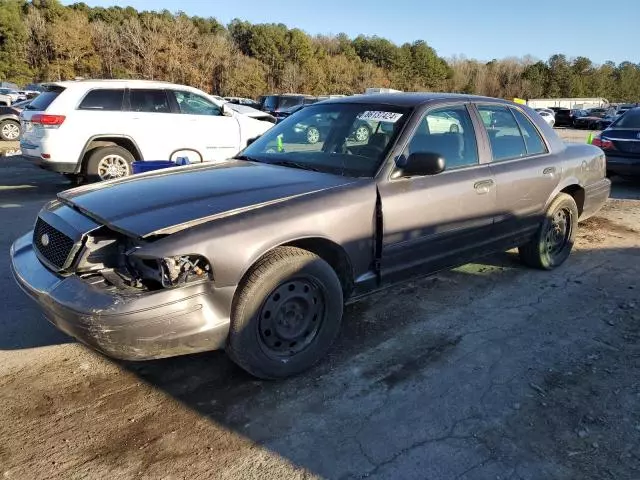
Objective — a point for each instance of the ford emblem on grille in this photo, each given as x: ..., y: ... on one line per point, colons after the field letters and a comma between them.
x: 44, y: 240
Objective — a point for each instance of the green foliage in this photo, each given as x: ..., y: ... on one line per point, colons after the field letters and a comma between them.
x: 13, y: 39
x: 44, y: 40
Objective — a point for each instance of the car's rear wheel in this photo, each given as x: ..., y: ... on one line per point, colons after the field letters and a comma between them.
x: 9, y: 130
x: 286, y: 315
x: 107, y: 163
x: 313, y: 135
x: 553, y: 241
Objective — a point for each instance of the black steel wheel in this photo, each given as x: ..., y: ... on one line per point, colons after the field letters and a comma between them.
x: 553, y: 242
x: 291, y: 317
x: 286, y: 314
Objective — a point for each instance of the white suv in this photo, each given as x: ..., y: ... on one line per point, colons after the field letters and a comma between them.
x: 95, y: 129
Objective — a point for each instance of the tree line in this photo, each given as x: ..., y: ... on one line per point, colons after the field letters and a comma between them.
x: 42, y: 40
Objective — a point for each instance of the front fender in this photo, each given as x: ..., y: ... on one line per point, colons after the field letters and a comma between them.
x: 344, y: 216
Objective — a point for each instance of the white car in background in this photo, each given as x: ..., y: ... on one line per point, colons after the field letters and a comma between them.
x: 12, y: 94
x: 442, y: 122
x: 550, y: 118
x: 95, y: 129
x: 5, y: 100
x: 548, y: 110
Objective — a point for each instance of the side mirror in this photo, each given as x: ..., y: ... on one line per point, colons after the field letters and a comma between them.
x: 421, y: 164
x: 227, y: 111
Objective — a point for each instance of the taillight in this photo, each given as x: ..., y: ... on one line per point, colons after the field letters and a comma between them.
x: 603, y: 143
x: 48, y: 120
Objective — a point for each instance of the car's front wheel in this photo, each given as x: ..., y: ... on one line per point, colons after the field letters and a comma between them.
x: 553, y: 241
x: 107, y: 163
x: 9, y: 130
x: 286, y: 315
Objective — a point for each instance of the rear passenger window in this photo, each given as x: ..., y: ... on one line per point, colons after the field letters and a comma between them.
x: 102, y: 100
x: 532, y: 139
x: 504, y: 134
x: 153, y: 101
x: 448, y: 132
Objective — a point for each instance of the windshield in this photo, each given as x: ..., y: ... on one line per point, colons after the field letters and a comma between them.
x: 345, y: 139
x: 631, y: 119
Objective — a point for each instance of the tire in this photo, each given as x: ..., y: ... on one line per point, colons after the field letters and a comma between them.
x: 9, y: 130
x: 313, y: 135
x: 286, y: 314
x: 362, y: 134
x: 100, y: 159
x: 553, y: 241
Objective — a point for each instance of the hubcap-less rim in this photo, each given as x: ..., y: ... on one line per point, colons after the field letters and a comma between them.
x: 113, y: 166
x: 291, y: 317
x: 10, y: 131
x: 558, y: 233
x: 362, y: 134
x: 313, y: 135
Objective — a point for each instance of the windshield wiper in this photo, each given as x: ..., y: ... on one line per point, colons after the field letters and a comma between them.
x: 246, y: 158
x: 291, y: 163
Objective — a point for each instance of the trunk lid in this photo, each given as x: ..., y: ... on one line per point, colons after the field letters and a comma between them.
x: 625, y: 140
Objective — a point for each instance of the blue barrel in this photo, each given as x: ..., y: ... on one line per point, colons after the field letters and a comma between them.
x: 149, y: 165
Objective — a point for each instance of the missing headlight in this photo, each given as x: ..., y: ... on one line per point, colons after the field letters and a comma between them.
x: 176, y: 271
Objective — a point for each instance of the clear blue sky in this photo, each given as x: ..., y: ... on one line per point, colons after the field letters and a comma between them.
x: 482, y: 29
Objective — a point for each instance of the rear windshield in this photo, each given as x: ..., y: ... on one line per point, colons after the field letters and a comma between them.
x: 631, y: 119
x: 42, y: 101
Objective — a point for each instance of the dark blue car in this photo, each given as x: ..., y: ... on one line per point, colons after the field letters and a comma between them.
x: 621, y: 144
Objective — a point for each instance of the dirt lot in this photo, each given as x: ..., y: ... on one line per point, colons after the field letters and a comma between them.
x: 489, y: 371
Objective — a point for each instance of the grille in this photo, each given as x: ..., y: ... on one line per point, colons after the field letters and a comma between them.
x: 59, y: 246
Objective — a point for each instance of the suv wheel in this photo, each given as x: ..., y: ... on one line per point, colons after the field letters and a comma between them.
x: 9, y: 130
x: 286, y: 315
x: 107, y: 163
x: 362, y: 134
x: 552, y: 244
x: 313, y: 135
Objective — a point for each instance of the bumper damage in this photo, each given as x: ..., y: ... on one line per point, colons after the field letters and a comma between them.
x: 126, y: 325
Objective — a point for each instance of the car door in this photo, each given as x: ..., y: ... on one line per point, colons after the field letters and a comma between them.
x: 203, y: 126
x: 525, y: 172
x: 148, y: 120
x: 430, y: 222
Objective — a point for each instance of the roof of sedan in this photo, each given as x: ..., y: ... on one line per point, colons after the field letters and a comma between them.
x: 410, y: 99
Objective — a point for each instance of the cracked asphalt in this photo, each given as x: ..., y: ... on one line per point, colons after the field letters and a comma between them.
x: 488, y: 371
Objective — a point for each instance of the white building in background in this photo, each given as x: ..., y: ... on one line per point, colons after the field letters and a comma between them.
x: 381, y: 90
x: 579, y: 103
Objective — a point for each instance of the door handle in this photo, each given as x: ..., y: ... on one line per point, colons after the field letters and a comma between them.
x: 483, y: 186
x: 549, y: 171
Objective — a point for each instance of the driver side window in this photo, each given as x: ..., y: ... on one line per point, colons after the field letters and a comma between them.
x: 447, y: 131
x: 193, y: 104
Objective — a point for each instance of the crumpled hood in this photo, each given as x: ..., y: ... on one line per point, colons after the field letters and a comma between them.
x: 166, y: 201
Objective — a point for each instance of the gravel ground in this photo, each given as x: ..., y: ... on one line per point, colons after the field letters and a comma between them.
x: 488, y: 371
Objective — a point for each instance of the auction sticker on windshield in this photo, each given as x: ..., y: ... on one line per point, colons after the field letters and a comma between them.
x: 391, y: 117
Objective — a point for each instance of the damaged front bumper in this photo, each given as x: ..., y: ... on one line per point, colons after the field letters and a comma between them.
x: 126, y: 325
